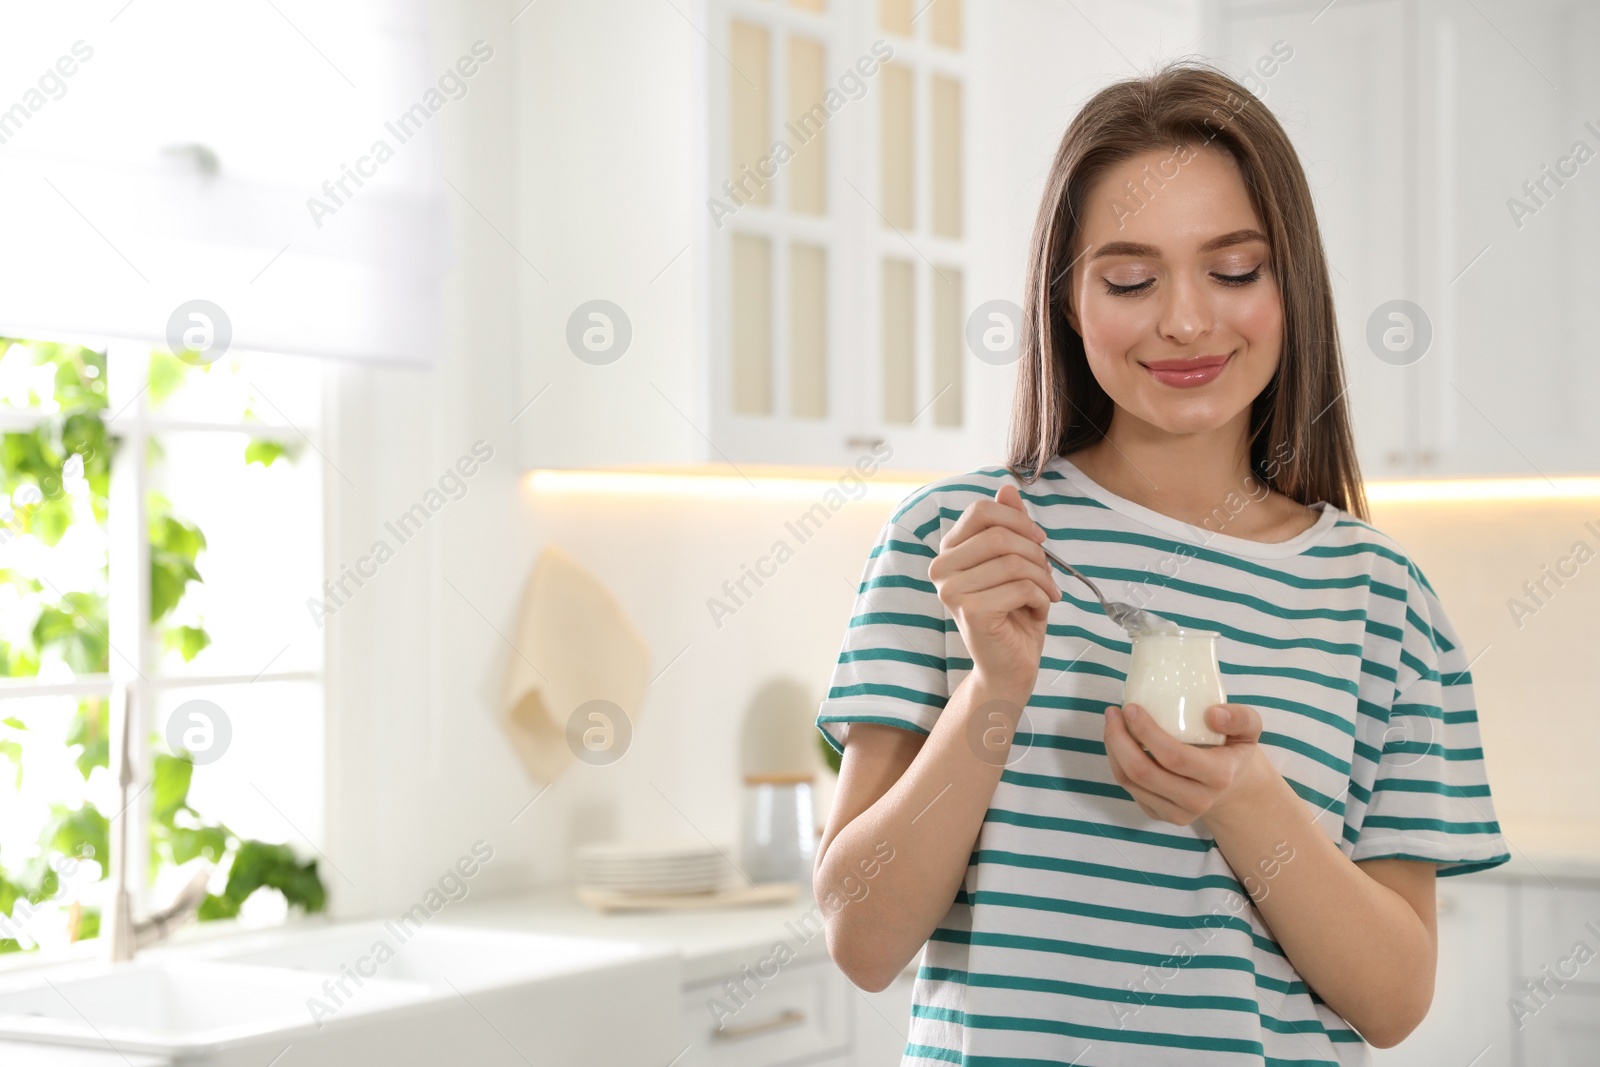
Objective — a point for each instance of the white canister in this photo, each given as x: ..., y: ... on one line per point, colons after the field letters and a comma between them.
x: 1174, y: 677
x: 778, y: 828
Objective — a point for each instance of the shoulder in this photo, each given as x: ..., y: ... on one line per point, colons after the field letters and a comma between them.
x: 1354, y: 536
x: 930, y: 508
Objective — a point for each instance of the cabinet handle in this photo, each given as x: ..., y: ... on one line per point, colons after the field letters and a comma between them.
x: 863, y: 442
x: 781, y: 1021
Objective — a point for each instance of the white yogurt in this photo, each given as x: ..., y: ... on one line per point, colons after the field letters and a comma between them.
x: 1174, y: 677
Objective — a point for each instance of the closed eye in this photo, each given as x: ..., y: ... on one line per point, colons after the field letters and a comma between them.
x: 1231, y: 280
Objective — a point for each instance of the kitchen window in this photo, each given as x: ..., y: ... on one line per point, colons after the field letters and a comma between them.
x: 160, y: 529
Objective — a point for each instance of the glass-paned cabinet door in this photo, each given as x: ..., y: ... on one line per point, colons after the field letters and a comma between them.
x: 916, y: 238
x: 838, y: 246
x: 779, y: 109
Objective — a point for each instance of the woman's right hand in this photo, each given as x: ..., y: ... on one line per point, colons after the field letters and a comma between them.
x: 993, y: 576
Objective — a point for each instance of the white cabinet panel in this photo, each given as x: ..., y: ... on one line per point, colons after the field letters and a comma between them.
x: 882, y: 1020
x: 1566, y: 1033
x: 1451, y: 169
x: 802, y: 1011
x: 1560, y: 943
x: 1469, y: 1022
x: 1340, y: 96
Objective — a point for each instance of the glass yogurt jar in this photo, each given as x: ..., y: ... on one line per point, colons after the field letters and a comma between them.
x: 1174, y: 677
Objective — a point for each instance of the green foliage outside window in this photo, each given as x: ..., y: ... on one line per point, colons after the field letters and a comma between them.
x: 35, y: 466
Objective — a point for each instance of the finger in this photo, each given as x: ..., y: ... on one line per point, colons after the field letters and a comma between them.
x: 990, y: 543
x: 1157, y: 807
x: 1002, y: 600
x: 988, y: 574
x: 1181, y: 759
x: 982, y: 514
x: 1240, y: 722
x: 1146, y: 773
x: 1160, y: 808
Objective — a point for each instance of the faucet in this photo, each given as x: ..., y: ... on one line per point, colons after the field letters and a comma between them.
x: 123, y: 936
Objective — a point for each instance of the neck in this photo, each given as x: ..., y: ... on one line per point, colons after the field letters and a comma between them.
x: 1183, y: 476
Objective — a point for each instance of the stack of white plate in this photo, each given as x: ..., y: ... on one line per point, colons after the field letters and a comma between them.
x: 649, y: 867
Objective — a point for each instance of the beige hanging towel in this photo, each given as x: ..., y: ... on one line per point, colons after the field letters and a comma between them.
x: 577, y: 680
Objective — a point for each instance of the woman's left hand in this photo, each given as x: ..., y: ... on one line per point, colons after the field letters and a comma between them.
x: 1178, y: 782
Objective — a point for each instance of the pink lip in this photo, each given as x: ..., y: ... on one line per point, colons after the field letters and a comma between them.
x: 1186, y: 373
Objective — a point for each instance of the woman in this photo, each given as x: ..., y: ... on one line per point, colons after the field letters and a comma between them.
x: 1084, y: 888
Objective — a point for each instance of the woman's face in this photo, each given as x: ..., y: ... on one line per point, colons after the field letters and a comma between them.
x: 1172, y: 291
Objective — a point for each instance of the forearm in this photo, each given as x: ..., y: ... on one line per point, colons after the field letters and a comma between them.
x: 1359, y: 944
x: 930, y: 817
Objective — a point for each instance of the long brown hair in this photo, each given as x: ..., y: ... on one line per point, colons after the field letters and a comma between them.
x: 1300, y: 440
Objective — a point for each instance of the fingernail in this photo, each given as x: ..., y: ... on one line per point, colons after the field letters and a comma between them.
x: 1131, y: 710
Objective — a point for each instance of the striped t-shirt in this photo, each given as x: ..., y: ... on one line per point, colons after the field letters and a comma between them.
x: 1086, y: 932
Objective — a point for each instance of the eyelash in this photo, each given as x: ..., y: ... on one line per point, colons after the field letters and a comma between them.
x: 1231, y: 280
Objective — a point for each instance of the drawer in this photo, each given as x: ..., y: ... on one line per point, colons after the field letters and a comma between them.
x: 1560, y: 928
x: 768, y: 1013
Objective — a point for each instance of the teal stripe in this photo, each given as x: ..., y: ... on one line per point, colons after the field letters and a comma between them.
x: 1065, y: 785
x: 1347, y: 686
x: 1061, y: 865
x: 1442, y: 826
x: 1093, y: 1033
x: 1232, y: 633
x: 897, y: 581
x: 1419, y: 748
x: 897, y: 618
x: 1306, y: 711
x: 879, y: 689
x: 1130, y: 916
x: 1210, y: 592
x: 881, y: 720
x: 899, y: 655
x: 1306, y: 749
x: 1168, y: 546
x: 909, y: 548
x: 1447, y: 867
x: 1079, y: 826
x: 984, y: 980
x: 1355, y: 549
x: 1311, y: 796
x: 1416, y: 785
x: 1421, y: 711
x: 1055, y: 946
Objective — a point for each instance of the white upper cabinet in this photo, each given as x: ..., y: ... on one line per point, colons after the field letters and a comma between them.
x: 746, y: 225
x: 1448, y: 148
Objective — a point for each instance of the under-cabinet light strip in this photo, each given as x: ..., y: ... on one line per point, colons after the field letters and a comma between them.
x: 855, y: 485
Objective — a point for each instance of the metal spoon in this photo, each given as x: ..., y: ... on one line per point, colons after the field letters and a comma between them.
x: 1133, y: 620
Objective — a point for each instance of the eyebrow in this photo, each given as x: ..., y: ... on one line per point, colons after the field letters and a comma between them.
x: 1129, y: 248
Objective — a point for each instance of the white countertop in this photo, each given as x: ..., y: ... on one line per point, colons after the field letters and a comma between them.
x: 712, y: 941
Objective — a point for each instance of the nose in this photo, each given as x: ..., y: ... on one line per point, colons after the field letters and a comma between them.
x: 1187, y: 314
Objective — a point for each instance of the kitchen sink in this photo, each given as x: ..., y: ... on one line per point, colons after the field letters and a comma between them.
x: 169, y: 1006
x: 360, y: 993
x: 452, y: 957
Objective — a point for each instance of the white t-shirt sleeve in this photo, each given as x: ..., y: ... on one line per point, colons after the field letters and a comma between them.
x: 891, y: 667
x: 1430, y: 798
